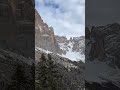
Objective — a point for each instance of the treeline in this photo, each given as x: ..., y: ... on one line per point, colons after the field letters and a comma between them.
x: 53, y: 76
x: 20, y: 79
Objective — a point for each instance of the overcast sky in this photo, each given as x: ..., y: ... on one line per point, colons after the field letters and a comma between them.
x: 102, y: 12
x: 67, y: 17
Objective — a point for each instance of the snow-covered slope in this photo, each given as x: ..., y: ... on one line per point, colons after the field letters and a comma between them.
x: 100, y: 72
x: 42, y: 50
x: 56, y: 57
x: 103, y: 60
x: 73, y: 55
x: 72, y: 48
x: 69, y: 53
x: 72, y: 72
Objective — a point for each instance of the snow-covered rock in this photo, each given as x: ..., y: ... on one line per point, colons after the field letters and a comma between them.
x: 73, y: 48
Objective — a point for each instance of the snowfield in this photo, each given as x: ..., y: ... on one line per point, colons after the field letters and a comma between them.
x: 101, y: 72
x: 74, y: 56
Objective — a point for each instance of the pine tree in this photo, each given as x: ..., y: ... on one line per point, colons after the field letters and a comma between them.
x: 32, y: 82
x: 41, y: 73
x: 19, y: 79
x: 48, y: 74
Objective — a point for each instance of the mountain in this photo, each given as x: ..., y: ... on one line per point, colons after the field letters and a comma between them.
x: 103, y: 57
x: 44, y: 36
x: 73, y: 48
x: 46, y: 39
x: 65, y: 55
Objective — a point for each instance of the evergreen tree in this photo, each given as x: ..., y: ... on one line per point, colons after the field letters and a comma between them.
x: 48, y: 74
x: 32, y: 82
x: 19, y: 80
x: 41, y: 73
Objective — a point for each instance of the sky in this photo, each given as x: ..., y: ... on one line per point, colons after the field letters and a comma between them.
x: 67, y: 17
x: 102, y: 12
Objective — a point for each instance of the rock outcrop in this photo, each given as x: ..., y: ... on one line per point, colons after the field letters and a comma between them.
x: 103, y: 57
x: 106, y: 43
x: 17, y: 26
x: 44, y: 35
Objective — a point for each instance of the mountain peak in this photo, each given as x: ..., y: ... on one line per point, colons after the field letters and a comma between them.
x: 45, y: 38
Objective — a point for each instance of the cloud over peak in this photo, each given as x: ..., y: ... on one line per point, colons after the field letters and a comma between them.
x: 66, y: 17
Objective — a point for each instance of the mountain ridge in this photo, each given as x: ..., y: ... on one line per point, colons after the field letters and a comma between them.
x: 102, y: 57
x: 46, y: 39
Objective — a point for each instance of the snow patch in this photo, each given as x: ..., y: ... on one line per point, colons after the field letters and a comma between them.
x: 45, y: 35
x: 74, y: 56
x: 42, y: 50
x: 100, y: 72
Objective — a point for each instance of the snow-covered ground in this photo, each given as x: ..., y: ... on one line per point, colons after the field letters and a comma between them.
x: 42, y: 50
x: 101, y: 72
x: 72, y: 55
x: 75, y: 56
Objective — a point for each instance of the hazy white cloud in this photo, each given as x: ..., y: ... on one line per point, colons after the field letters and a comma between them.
x: 67, y: 17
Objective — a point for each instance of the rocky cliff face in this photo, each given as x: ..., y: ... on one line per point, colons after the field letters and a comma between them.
x: 103, y: 57
x: 17, y: 26
x: 105, y: 43
x: 44, y: 36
